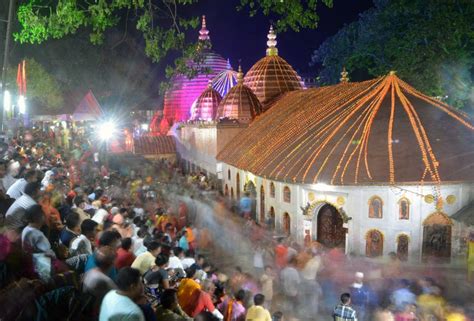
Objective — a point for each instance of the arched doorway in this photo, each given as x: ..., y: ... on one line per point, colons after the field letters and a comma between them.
x: 272, y: 218
x: 373, y: 243
x: 262, y: 204
x: 437, y: 231
x: 232, y: 193
x: 251, y: 189
x: 226, y: 190
x: 329, y: 226
x: 402, y: 247
x: 237, y: 190
x: 286, y: 223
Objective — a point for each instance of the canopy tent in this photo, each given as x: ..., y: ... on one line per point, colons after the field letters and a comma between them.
x: 88, y: 109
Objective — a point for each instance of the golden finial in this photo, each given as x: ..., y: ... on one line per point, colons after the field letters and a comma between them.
x: 271, y: 43
x: 392, y: 72
x: 240, y: 75
x: 344, y: 76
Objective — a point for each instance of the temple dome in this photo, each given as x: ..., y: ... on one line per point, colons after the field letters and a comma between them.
x: 205, y: 107
x: 239, y: 104
x: 381, y: 131
x: 184, y: 91
x: 272, y: 76
x: 225, y: 80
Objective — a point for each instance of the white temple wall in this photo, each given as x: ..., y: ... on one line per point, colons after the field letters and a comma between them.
x: 354, y: 201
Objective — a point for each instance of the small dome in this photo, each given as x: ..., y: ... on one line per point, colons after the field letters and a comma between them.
x: 272, y: 76
x: 205, y: 107
x: 225, y: 80
x: 239, y: 104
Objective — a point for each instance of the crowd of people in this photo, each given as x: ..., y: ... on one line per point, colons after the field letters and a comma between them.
x: 147, y: 241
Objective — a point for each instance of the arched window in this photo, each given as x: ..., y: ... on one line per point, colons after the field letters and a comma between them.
x: 373, y: 243
x: 404, y: 208
x: 286, y: 224
x: 226, y: 190
x: 228, y: 175
x: 232, y: 193
x: 375, y: 207
x: 286, y: 194
x: 272, y: 190
x: 262, y: 204
x: 237, y: 188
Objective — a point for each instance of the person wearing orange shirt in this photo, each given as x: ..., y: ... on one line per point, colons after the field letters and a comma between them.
x: 51, y: 214
x: 281, y: 254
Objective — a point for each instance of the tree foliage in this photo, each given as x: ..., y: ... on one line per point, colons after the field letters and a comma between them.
x: 430, y: 44
x: 42, y: 87
x: 161, y: 22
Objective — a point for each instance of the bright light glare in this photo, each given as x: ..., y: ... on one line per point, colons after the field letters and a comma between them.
x: 107, y: 130
x: 21, y: 105
x: 7, y: 100
x: 144, y: 127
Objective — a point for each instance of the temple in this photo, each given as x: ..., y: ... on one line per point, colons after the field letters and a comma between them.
x: 372, y: 167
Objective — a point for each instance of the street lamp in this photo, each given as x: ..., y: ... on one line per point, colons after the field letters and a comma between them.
x: 7, y: 101
x: 105, y: 132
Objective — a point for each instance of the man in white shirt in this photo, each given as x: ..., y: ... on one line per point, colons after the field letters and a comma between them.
x: 27, y: 200
x: 187, y: 261
x: 120, y: 304
x: 175, y: 258
x: 18, y: 188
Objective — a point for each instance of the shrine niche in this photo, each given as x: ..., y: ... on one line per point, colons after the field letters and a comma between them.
x: 286, y: 194
x: 329, y: 225
x: 262, y: 204
x: 404, y: 208
x: 373, y: 243
x: 228, y: 175
x: 226, y: 190
x: 286, y: 224
x: 402, y: 247
x: 375, y: 207
x: 272, y: 190
x: 272, y: 218
x: 437, y: 232
x: 232, y: 193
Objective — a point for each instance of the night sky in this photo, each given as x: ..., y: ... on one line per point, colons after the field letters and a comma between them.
x: 236, y: 36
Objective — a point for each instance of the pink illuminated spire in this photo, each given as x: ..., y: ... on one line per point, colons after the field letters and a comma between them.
x: 204, y: 33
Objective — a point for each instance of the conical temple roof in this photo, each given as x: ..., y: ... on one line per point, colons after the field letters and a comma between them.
x: 239, y: 104
x: 225, y: 80
x: 381, y: 131
x: 272, y: 76
x: 205, y: 107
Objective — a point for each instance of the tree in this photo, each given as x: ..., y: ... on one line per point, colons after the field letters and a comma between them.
x: 161, y: 22
x: 42, y: 87
x: 430, y: 44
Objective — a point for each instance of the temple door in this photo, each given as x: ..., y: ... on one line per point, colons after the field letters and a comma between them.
x: 402, y: 247
x: 437, y: 238
x: 330, y: 230
x: 262, y: 204
x: 373, y: 243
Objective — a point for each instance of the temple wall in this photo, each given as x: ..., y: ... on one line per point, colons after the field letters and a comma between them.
x: 354, y: 201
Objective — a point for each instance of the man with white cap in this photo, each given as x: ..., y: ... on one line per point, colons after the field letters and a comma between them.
x: 360, y: 296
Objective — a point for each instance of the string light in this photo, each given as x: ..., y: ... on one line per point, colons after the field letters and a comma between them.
x: 309, y: 136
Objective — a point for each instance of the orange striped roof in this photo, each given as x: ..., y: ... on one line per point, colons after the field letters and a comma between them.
x: 154, y: 145
x: 372, y: 132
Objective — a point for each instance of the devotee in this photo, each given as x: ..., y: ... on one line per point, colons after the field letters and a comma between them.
x: 257, y: 312
x: 83, y: 244
x: 176, y: 255
x: 33, y: 240
x: 343, y: 311
x: 290, y: 281
x: 96, y: 282
x: 80, y: 204
x: 204, y: 300
x: 169, y: 309
x: 233, y: 308
x: 107, y: 239
x: 157, y: 275
x: 266, y: 280
x: 125, y: 257
x: 120, y: 304
x: 402, y: 296
x: 145, y: 261
x: 360, y: 296
x: 72, y: 230
x: 26, y: 200
x: 18, y: 188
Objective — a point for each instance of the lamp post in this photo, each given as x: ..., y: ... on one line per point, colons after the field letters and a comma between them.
x: 5, y: 58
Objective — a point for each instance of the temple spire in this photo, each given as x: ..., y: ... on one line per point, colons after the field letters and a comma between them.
x: 240, y: 75
x: 344, y: 76
x: 229, y: 66
x: 204, y: 33
x: 271, y: 43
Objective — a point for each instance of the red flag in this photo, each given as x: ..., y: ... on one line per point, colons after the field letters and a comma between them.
x: 18, y: 79
x: 24, y: 78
